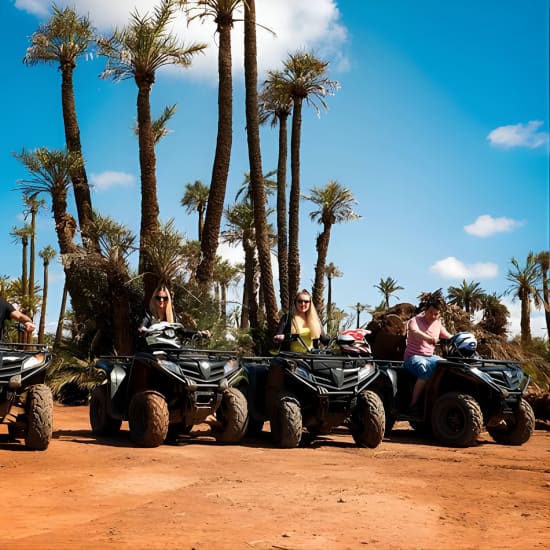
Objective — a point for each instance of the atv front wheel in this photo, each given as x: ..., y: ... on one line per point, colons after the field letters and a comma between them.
x: 514, y: 429
x: 101, y: 421
x: 148, y: 419
x: 368, y: 421
x: 457, y: 419
x: 232, y: 415
x: 286, y: 422
x: 39, y: 417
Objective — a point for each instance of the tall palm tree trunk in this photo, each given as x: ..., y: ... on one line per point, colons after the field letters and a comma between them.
x: 62, y: 309
x: 222, y: 158
x: 525, y: 319
x: 255, y: 160
x: 79, y: 177
x: 282, y: 226
x: 42, y: 325
x: 322, y: 243
x: 149, y: 201
x: 294, y: 200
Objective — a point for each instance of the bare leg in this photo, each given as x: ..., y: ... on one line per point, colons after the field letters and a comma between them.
x: 417, y: 390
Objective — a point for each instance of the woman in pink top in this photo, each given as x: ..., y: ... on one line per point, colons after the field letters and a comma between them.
x: 423, y: 333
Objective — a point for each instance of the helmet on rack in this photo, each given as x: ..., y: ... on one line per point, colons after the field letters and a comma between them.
x: 462, y: 344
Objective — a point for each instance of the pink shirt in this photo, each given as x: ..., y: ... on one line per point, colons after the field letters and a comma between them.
x: 418, y: 346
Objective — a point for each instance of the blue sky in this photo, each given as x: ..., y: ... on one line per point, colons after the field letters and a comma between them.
x: 440, y: 129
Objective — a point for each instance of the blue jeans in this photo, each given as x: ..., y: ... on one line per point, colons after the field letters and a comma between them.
x: 421, y: 366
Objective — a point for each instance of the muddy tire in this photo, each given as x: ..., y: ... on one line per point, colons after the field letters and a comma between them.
x: 148, y: 419
x: 457, y: 420
x: 368, y: 420
x: 101, y: 421
x: 39, y: 417
x: 515, y: 429
x: 286, y: 422
x: 232, y: 415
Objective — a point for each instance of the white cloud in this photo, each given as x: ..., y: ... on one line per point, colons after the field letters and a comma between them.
x: 486, y: 225
x: 108, y: 179
x: 451, y: 268
x: 296, y: 24
x: 518, y: 135
x: 37, y: 7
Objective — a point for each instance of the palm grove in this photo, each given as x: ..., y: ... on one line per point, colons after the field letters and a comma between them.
x: 106, y: 296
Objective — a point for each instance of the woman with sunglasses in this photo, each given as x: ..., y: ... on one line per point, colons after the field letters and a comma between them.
x: 160, y: 309
x: 303, y: 321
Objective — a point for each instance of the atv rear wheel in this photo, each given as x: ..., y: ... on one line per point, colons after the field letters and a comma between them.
x: 515, y: 429
x: 286, y: 422
x: 368, y: 420
x: 148, y: 419
x: 457, y: 419
x: 39, y: 417
x: 101, y: 421
x: 232, y: 415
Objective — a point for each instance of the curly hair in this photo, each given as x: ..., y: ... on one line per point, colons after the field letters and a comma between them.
x: 431, y: 299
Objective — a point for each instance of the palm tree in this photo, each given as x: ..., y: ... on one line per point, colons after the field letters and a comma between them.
x: 495, y: 315
x: 116, y: 244
x: 33, y: 205
x: 304, y: 77
x: 335, y: 205
x: 47, y: 254
x: 275, y: 104
x: 195, y: 199
x: 543, y: 261
x: 62, y: 40
x: 23, y: 234
x: 358, y: 309
x: 468, y: 296
x: 222, y: 12
x: 331, y: 271
x: 50, y: 172
x: 255, y: 160
x: 137, y: 51
x: 225, y: 275
x: 524, y: 287
x: 387, y: 287
x: 240, y: 223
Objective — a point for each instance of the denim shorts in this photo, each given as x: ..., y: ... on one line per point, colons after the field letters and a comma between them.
x: 421, y: 366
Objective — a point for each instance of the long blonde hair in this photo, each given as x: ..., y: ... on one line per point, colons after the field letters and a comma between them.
x: 312, y: 318
x: 154, y: 308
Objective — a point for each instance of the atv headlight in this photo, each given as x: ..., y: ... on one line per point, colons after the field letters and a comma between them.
x: 169, y: 332
x: 33, y: 361
x: 230, y: 367
x: 365, y: 372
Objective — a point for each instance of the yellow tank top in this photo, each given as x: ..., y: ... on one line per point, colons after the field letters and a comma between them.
x: 297, y: 346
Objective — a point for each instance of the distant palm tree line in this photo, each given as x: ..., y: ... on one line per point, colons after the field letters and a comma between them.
x: 98, y: 276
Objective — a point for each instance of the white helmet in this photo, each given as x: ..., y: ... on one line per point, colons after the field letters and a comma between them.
x: 463, y: 344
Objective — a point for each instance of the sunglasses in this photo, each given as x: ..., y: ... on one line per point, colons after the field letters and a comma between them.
x: 161, y: 298
x: 302, y: 301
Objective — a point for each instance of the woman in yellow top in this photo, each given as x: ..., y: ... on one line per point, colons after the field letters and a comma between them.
x: 304, y: 321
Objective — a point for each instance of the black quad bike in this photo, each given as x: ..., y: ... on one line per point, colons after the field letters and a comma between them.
x: 465, y: 395
x: 164, y: 390
x: 316, y: 390
x: 26, y: 403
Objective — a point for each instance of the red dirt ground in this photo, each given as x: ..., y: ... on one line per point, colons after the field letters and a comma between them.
x: 97, y: 493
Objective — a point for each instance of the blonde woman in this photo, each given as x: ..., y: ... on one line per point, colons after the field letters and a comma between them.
x: 160, y: 309
x: 303, y: 321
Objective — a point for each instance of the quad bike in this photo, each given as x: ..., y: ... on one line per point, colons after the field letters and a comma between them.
x: 316, y: 390
x: 26, y: 403
x: 465, y: 394
x: 164, y: 390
